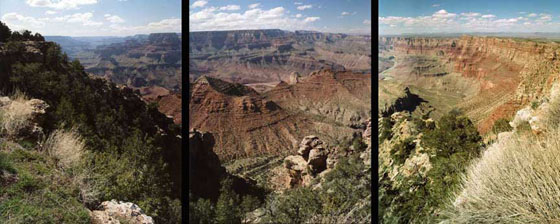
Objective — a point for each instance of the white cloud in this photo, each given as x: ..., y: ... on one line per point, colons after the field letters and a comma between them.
x: 165, y: 25
x: 347, y: 13
x: 230, y: 8
x: 83, y: 18
x: 60, y: 4
x: 210, y: 18
x: 298, y: 3
x: 49, y: 12
x: 545, y: 17
x: 435, y: 5
x: 311, y: 19
x: 200, y: 3
x: 470, y: 14
x: 18, y: 22
x: 252, y: 6
x: 304, y: 7
x: 443, y: 21
x: 114, y: 18
x: 532, y: 15
x: 522, y: 12
x: 367, y: 21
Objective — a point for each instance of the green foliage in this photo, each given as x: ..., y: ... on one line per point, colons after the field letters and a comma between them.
x: 201, y: 211
x: 5, y: 164
x: 131, y: 160
x: 402, y: 150
x: 501, y: 125
x: 342, y: 189
x: 358, y: 144
x: 295, y: 206
x: 452, y: 144
x: 385, y: 132
x: 534, y: 105
x: 5, y: 32
x: 227, y: 209
x: 230, y: 207
x: 40, y: 194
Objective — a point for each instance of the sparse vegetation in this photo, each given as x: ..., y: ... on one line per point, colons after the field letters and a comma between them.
x: 501, y: 125
x: 451, y: 145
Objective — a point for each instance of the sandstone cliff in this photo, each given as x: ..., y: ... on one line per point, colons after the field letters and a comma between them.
x: 511, y: 73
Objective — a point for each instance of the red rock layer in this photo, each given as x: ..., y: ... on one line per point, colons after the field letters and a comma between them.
x: 511, y: 72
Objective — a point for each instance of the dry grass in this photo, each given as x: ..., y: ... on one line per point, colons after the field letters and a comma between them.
x: 515, y: 181
x: 16, y: 116
x: 67, y: 146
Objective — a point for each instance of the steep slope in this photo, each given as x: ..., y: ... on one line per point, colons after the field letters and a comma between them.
x: 133, y: 149
x: 244, y: 123
x: 343, y: 97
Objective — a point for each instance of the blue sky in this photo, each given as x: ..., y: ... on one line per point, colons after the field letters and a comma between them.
x: 433, y: 16
x: 345, y: 16
x: 92, y: 17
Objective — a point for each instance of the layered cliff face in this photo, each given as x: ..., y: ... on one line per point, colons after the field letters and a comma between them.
x: 244, y: 122
x: 138, y: 62
x: 342, y: 97
x: 258, y: 56
x: 509, y: 73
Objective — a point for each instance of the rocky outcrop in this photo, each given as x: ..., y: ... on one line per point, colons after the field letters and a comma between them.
x: 312, y: 160
x: 113, y: 212
x: 403, y: 132
x: 366, y: 137
x: 205, y: 170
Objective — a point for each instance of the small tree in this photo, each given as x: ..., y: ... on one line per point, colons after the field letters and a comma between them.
x: 5, y: 32
x: 227, y: 209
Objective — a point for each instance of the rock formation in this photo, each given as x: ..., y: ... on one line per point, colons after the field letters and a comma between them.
x: 343, y: 97
x: 205, y: 170
x: 312, y: 159
x: 113, y: 212
x: 244, y: 122
x: 509, y: 73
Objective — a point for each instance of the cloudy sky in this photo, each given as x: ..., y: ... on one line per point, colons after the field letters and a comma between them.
x: 440, y: 16
x: 92, y: 17
x: 345, y: 16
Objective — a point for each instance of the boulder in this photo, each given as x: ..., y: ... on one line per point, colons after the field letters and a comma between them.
x: 308, y: 143
x: 317, y: 161
x: 115, y: 212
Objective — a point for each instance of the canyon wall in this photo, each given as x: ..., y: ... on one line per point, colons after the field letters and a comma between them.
x: 511, y: 72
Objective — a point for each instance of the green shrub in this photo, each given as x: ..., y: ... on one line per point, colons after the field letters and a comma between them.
x: 501, y: 125
x: 402, y: 150
x: 452, y: 145
x: 385, y: 132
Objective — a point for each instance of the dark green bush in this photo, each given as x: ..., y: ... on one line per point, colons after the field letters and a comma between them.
x: 452, y: 144
x: 501, y: 125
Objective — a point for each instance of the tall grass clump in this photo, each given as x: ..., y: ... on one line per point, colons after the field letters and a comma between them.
x: 15, y: 116
x: 66, y: 146
x: 515, y: 181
